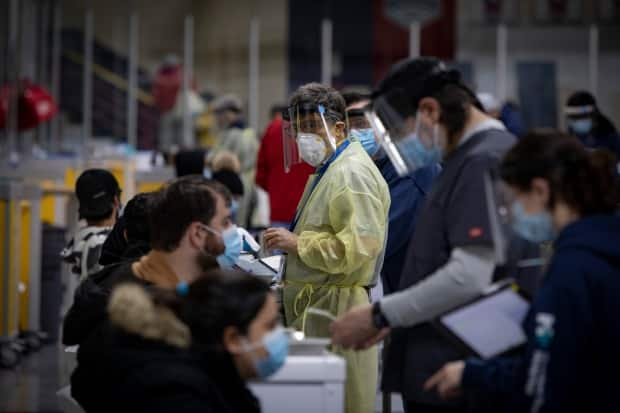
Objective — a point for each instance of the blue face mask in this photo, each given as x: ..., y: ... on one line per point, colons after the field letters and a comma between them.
x: 276, y: 343
x: 536, y: 228
x: 582, y: 126
x: 367, y: 138
x: 206, y: 172
x: 233, y: 243
x: 415, y: 152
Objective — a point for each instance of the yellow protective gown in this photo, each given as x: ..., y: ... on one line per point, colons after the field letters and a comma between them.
x: 341, y: 232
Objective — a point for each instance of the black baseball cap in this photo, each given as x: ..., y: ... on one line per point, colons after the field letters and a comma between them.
x: 95, y: 190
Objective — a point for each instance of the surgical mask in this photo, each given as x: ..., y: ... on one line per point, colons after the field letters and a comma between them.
x: 419, y: 154
x: 276, y: 344
x: 206, y: 172
x: 312, y: 148
x: 581, y: 126
x: 536, y: 228
x: 233, y: 243
x: 366, y: 137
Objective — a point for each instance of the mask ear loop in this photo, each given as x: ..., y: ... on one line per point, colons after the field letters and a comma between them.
x: 330, y: 138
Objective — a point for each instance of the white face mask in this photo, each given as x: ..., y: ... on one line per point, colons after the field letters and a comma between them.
x: 312, y: 148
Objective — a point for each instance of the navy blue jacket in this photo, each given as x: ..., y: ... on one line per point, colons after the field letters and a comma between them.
x: 609, y: 141
x: 407, y: 193
x: 572, y: 358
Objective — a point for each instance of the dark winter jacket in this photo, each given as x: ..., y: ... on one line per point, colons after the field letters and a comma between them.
x: 118, y: 371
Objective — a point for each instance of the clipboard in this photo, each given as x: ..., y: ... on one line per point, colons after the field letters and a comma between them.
x: 489, y: 325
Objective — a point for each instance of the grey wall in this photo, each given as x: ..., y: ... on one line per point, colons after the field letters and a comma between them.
x: 567, y: 46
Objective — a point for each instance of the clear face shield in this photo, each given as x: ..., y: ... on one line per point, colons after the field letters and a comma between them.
x: 501, y: 202
x: 410, y: 141
x: 306, y: 136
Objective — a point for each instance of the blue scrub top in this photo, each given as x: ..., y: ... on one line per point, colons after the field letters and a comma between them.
x: 407, y: 194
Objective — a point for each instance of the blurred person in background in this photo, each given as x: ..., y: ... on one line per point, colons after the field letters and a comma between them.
x: 190, y: 162
x: 565, y: 194
x: 406, y: 192
x: 284, y: 189
x: 508, y: 113
x: 189, y: 350
x: 225, y: 170
x: 489, y: 102
x: 585, y: 121
x: 98, y: 195
x: 234, y: 136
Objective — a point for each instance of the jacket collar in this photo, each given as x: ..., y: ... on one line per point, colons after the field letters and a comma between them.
x: 153, y: 268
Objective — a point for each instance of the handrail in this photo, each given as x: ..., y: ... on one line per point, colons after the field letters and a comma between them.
x: 111, y: 77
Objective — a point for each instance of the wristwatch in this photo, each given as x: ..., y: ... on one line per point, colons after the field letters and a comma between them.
x: 378, y: 319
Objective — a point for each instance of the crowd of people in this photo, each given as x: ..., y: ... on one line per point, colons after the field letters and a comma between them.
x: 384, y: 190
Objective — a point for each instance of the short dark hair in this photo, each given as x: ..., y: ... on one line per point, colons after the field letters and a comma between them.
x: 217, y: 300
x: 352, y: 96
x: 176, y: 206
x: 314, y: 94
x: 586, y: 181
x: 136, y: 218
x: 455, y: 102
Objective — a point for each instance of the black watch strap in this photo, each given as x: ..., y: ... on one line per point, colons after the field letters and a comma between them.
x: 378, y: 319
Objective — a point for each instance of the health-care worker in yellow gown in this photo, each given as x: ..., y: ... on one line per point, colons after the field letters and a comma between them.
x: 337, y: 237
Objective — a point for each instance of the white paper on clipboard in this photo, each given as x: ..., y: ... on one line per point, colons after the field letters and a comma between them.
x: 252, y: 265
x: 491, y: 325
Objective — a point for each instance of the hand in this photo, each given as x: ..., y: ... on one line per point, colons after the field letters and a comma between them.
x: 447, y: 380
x: 280, y: 239
x: 380, y: 336
x: 355, y: 329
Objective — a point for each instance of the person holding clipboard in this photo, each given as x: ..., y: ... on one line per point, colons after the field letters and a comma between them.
x: 423, y: 113
x: 564, y: 193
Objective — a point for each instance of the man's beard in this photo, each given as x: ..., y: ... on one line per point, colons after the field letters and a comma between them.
x: 206, y: 262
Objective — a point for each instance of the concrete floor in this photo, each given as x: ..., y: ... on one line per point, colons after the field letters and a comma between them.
x: 32, y: 386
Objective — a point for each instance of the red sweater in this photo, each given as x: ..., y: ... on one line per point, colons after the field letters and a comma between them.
x: 284, y: 189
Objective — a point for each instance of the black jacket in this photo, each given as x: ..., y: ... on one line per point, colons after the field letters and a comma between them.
x: 91, y: 298
x: 122, y: 372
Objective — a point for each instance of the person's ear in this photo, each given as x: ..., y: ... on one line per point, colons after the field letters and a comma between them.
x: 541, y: 191
x: 232, y: 340
x: 429, y: 107
x: 195, y: 235
x: 340, y: 130
x: 125, y: 235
